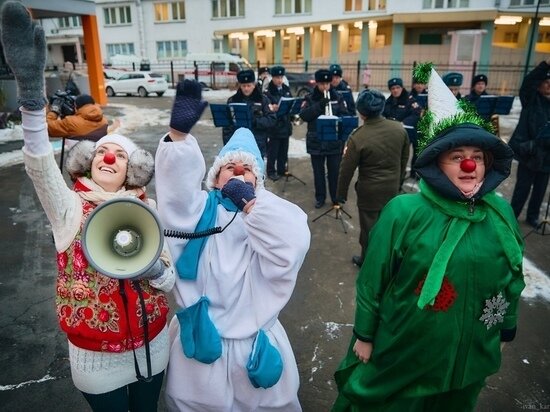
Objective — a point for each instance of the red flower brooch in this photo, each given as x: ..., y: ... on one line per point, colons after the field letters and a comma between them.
x: 444, y: 299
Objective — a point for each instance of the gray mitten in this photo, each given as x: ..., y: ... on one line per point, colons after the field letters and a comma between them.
x: 25, y: 51
x: 154, y: 272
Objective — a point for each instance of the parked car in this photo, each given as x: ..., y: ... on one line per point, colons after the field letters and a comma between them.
x: 141, y: 83
x: 300, y: 83
x: 113, y: 74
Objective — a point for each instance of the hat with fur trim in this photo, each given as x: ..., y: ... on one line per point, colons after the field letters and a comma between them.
x: 242, y: 147
x: 323, y: 76
x: 479, y: 78
x: 141, y: 165
x: 246, y: 76
x: 370, y: 102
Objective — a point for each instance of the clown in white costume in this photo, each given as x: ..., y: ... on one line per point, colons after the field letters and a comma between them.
x: 231, y: 285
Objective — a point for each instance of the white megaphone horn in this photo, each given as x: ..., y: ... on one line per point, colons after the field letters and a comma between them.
x: 122, y: 238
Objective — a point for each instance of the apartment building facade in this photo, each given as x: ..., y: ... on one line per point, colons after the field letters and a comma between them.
x: 390, y: 34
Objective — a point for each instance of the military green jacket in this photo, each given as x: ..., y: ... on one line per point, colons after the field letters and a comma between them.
x: 379, y: 149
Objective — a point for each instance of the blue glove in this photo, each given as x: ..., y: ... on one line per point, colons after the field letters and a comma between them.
x: 25, y: 51
x: 239, y: 192
x: 188, y: 106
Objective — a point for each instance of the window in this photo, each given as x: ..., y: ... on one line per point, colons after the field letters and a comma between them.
x: 227, y: 8
x: 528, y: 2
x: 171, y: 49
x: 364, y: 5
x: 117, y: 15
x: 69, y: 22
x: 510, y: 37
x: 170, y: 11
x: 445, y: 4
x: 217, y: 45
x: 293, y: 6
x: 120, y: 48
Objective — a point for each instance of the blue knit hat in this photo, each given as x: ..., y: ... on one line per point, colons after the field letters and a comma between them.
x: 243, y: 145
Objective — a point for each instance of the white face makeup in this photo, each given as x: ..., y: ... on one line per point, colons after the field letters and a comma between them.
x: 233, y: 169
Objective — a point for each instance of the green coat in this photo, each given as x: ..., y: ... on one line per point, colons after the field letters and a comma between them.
x: 421, y: 352
x: 380, y: 150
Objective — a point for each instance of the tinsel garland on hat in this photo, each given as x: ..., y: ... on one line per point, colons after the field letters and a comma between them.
x: 450, y: 111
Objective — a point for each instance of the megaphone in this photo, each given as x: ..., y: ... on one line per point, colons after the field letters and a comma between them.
x: 122, y: 238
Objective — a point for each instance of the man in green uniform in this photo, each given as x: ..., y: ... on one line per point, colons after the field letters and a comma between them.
x: 380, y: 149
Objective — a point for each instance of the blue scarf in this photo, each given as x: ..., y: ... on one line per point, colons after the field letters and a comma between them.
x: 188, y: 261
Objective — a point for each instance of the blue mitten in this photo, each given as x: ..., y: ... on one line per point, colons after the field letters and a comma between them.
x: 239, y: 192
x: 188, y: 106
x: 25, y: 51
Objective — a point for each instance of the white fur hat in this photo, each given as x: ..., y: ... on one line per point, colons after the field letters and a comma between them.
x: 141, y: 164
x: 240, y: 147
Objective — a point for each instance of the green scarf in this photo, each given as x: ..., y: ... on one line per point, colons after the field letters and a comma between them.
x: 461, y: 218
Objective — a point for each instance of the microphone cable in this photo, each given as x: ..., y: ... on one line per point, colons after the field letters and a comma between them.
x: 196, y: 235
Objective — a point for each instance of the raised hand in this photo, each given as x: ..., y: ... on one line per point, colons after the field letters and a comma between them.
x: 25, y: 51
x: 188, y: 106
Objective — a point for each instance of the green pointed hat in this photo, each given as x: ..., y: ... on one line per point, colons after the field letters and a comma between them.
x: 444, y: 110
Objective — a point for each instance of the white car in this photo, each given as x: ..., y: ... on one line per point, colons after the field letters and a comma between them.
x: 141, y: 83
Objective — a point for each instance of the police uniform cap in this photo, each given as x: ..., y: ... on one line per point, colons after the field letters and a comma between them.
x: 335, y: 69
x: 277, y: 71
x: 453, y: 79
x: 479, y: 78
x: 396, y: 81
x: 323, y: 76
x: 263, y: 70
x: 246, y: 76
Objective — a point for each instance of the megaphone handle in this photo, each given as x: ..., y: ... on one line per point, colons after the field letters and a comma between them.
x: 137, y: 286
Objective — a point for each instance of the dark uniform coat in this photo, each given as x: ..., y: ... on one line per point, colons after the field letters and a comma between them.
x: 311, y: 111
x: 263, y: 118
x: 404, y: 109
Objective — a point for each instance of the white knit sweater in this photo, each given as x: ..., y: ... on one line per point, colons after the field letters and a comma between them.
x: 92, y: 372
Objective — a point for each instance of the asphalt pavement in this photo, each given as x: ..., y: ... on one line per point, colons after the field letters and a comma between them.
x: 35, y: 372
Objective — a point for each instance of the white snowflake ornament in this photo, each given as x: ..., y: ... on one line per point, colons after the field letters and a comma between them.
x: 494, y: 311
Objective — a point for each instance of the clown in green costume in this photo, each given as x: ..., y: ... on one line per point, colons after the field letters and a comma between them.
x: 439, y: 289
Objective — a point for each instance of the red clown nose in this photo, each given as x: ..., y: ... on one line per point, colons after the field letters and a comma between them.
x: 468, y: 165
x: 109, y: 158
x: 238, y: 170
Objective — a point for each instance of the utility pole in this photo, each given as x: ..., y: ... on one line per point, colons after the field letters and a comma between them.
x: 532, y: 41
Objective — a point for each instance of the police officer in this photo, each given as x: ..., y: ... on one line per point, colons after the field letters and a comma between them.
x: 479, y: 88
x: 263, y: 119
x: 403, y: 107
x: 277, y: 145
x: 453, y: 80
x: 340, y: 85
x: 323, y: 152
